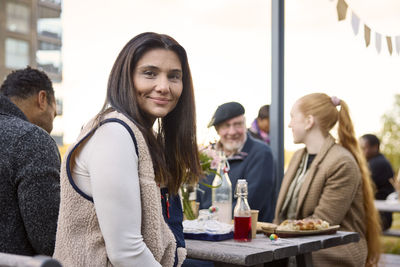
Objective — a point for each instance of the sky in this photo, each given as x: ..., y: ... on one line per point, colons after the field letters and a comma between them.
x: 228, y: 43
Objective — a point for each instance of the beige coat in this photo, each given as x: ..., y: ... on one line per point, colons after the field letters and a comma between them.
x: 332, y: 191
x: 79, y: 241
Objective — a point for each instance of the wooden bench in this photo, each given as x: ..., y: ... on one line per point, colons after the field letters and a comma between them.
x: 389, y: 260
x: 391, y: 232
x: 13, y: 260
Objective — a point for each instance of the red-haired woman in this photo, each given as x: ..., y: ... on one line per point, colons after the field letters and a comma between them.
x: 330, y: 180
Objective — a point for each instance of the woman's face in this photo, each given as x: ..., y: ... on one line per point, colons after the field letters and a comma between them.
x: 158, y: 82
x: 298, y: 124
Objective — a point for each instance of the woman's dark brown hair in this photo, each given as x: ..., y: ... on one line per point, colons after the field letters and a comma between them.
x: 173, y: 147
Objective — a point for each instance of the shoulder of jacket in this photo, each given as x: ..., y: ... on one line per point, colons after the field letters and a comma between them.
x: 119, y: 116
x: 340, y: 153
x: 16, y: 126
x: 23, y: 131
x: 340, y: 157
x: 37, y: 138
x: 257, y: 144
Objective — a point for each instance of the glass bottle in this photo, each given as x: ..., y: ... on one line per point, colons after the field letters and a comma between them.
x: 242, y: 213
x: 222, y: 192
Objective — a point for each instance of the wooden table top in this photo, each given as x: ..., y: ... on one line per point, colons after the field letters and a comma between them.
x: 389, y: 206
x: 262, y: 249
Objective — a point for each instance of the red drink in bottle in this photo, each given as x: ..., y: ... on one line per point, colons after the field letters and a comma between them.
x: 242, y: 229
x: 242, y: 214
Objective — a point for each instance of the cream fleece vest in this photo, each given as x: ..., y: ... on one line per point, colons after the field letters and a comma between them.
x: 79, y: 241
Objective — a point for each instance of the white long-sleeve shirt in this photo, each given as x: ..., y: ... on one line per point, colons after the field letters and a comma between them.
x: 107, y: 169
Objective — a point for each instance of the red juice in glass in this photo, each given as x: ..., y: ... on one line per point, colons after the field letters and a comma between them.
x: 242, y: 229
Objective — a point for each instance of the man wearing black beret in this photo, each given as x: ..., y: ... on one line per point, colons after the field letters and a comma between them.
x: 248, y: 158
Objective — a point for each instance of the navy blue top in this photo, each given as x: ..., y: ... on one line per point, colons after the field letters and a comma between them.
x: 255, y: 164
x: 381, y: 172
x: 175, y: 218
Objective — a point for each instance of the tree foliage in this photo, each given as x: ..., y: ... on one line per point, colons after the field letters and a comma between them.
x: 390, y: 134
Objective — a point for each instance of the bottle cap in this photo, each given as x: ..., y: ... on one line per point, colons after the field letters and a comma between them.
x: 241, y: 187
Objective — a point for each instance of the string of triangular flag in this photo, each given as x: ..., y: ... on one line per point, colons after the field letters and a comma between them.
x: 342, y: 7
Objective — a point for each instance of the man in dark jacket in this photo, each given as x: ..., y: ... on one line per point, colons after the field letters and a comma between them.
x: 29, y: 164
x: 248, y: 158
x: 381, y: 172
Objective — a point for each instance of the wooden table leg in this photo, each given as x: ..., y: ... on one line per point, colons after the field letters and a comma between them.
x: 221, y: 264
x: 304, y: 260
x: 277, y: 263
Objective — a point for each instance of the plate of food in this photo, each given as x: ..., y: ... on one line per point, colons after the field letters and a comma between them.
x: 293, y: 228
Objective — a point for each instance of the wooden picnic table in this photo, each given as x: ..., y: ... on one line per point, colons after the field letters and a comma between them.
x: 262, y: 250
x: 388, y: 206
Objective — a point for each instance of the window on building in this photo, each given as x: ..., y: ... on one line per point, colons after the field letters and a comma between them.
x: 58, y: 137
x: 18, y: 17
x: 59, y: 106
x: 49, y: 22
x: 57, y: 2
x: 17, y: 53
x: 48, y: 57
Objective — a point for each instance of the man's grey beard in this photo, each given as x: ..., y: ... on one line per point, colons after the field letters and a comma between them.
x: 232, y: 147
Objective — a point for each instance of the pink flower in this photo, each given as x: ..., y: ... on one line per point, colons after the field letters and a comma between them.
x: 213, y: 155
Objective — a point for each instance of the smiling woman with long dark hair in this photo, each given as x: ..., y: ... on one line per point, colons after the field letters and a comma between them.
x: 120, y: 179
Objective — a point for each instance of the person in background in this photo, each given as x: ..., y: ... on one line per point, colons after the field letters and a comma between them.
x: 381, y: 172
x: 260, y: 126
x: 330, y: 180
x: 120, y: 179
x: 248, y: 159
x: 29, y: 164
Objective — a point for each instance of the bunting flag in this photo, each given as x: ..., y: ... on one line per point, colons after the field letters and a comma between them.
x: 378, y: 42
x: 367, y: 35
x: 355, y: 23
x: 389, y: 43
x: 397, y: 44
x: 342, y: 8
